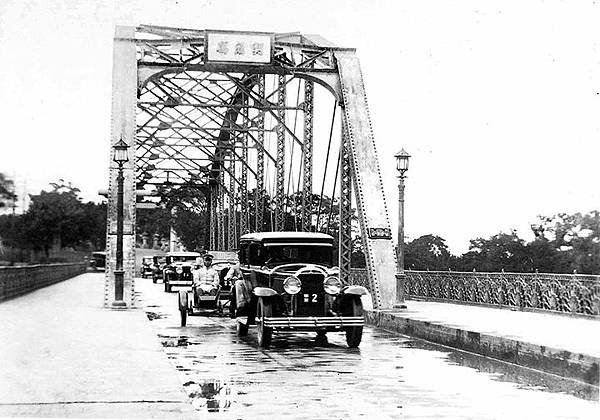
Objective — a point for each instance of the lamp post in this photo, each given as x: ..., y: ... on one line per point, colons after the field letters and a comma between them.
x: 120, y: 157
x: 401, y: 166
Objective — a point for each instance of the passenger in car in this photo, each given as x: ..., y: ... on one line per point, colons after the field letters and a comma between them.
x: 206, y: 278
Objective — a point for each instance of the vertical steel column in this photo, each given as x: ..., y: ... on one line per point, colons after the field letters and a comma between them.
x: 280, y: 164
x: 244, y: 222
x: 307, y: 155
x: 345, y: 208
x: 231, y: 230
x: 221, y: 215
x: 260, y: 157
x: 212, y: 234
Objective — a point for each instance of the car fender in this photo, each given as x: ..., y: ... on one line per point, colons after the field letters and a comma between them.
x: 264, y: 292
x: 355, y: 290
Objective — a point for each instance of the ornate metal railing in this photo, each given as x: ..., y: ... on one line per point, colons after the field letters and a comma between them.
x: 565, y: 293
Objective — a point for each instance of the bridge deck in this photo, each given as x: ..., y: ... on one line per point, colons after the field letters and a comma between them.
x: 558, y: 344
x: 64, y: 355
x: 573, y: 334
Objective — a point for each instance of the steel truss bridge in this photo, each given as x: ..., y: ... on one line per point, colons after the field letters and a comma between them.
x: 235, y: 115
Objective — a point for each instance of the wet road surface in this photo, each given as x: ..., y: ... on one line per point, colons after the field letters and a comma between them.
x: 389, y: 376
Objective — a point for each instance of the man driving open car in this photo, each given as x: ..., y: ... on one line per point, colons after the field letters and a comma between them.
x: 206, y: 278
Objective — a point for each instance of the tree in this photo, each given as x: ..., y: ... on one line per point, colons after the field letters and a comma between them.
x: 58, y: 218
x: 7, y: 190
x: 500, y: 252
x: 574, y: 240
x: 428, y: 252
x: 53, y: 220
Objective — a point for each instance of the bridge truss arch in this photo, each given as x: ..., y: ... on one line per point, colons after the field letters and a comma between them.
x: 243, y: 135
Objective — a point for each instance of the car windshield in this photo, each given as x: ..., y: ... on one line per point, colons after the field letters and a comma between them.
x: 287, y: 254
x: 182, y: 258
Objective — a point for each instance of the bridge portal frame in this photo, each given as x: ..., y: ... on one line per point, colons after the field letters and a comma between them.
x: 137, y: 59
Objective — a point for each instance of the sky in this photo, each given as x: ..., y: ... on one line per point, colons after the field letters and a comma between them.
x: 497, y: 102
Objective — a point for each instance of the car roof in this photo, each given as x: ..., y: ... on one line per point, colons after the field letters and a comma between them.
x: 183, y: 254
x: 261, y: 236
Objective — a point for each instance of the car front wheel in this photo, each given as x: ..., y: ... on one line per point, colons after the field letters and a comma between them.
x: 354, y: 334
x: 265, y: 334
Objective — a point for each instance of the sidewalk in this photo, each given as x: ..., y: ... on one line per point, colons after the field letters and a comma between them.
x: 66, y: 356
x: 563, y: 345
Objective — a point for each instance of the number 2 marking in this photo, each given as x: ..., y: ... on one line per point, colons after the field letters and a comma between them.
x: 310, y: 298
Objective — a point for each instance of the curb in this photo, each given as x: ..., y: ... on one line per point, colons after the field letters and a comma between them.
x: 578, y: 366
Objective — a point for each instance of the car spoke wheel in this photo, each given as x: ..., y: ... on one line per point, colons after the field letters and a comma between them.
x: 265, y: 334
x: 354, y: 334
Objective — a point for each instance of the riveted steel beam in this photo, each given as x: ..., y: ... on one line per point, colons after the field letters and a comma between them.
x: 307, y: 156
x: 280, y: 164
x: 260, y: 159
x: 345, y: 208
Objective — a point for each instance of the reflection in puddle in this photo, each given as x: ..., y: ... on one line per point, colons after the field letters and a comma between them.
x: 153, y: 315
x: 213, y: 395
x: 524, y: 378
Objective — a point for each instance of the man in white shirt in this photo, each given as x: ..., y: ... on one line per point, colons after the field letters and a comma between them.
x: 206, y: 278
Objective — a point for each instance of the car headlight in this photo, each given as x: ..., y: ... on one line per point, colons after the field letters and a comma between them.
x: 332, y: 285
x: 179, y: 270
x: 292, y: 285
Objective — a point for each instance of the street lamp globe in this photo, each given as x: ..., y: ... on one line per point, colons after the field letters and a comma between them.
x: 402, y: 161
x: 120, y: 152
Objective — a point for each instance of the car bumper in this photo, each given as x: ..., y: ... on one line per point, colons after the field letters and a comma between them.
x: 314, y: 322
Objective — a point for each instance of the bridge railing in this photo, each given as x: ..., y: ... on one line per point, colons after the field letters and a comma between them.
x: 16, y: 281
x: 558, y: 293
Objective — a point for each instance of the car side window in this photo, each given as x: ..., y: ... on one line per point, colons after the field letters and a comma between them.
x: 243, y: 253
x: 256, y: 254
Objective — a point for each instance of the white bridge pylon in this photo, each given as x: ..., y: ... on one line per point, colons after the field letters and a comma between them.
x: 232, y: 114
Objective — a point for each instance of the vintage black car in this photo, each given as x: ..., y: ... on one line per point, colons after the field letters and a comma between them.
x: 98, y: 260
x: 147, y: 268
x: 290, y: 284
x: 158, y: 264
x: 178, y: 269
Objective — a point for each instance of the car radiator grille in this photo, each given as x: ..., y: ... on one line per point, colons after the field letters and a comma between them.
x: 311, y: 299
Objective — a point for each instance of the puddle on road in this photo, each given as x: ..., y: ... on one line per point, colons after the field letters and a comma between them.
x: 248, y: 376
x: 180, y: 341
x: 153, y: 315
x: 211, y: 395
x: 527, y: 379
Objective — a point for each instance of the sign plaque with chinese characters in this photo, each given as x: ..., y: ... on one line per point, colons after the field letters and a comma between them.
x: 238, y: 47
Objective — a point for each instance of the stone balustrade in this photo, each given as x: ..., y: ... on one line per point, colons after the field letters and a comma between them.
x: 15, y: 281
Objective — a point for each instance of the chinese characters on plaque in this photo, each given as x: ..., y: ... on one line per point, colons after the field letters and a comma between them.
x: 238, y: 47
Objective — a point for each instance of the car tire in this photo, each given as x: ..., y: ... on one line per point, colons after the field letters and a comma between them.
x: 183, y: 306
x: 232, y: 304
x: 241, y: 329
x: 354, y: 334
x: 264, y: 334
